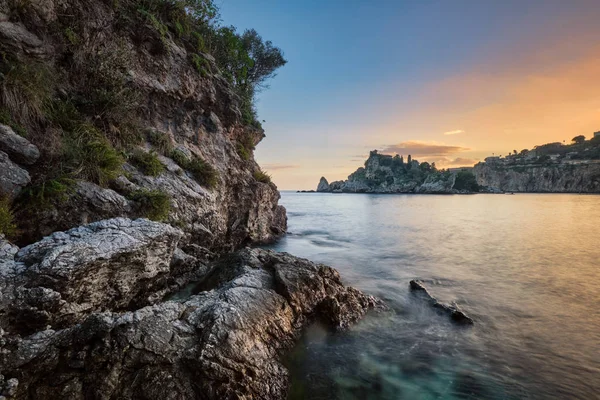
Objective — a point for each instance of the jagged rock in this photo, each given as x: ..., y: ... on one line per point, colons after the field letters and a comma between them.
x: 455, y: 313
x: 18, y: 37
x: 18, y: 148
x: 112, y: 264
x: 224, y: 342
x: 434, y: 185
x: 323, y: 185
x: 12, y: 177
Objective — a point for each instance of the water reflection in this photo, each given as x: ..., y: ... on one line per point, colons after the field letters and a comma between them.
x: 524, y: 266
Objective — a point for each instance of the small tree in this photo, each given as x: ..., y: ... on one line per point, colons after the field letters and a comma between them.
x: 578, y: 139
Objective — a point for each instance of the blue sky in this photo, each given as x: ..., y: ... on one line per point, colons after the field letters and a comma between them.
x: 400, y: 74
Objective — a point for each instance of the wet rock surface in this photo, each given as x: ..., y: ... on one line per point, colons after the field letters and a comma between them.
x: 455, y: 313
x: 223, y: 342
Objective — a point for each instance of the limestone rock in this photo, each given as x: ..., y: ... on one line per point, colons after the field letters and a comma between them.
x: 18, y: 148
x: 323, y: 185
x: 223, y: 342
x: 12, y: 177
x: 564, y: 177
x: 110, y: 264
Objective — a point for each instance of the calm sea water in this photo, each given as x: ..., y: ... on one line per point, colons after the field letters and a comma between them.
x: 525, y: 267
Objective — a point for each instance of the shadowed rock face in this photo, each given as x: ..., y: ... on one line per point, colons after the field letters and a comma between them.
x: 223, y: 342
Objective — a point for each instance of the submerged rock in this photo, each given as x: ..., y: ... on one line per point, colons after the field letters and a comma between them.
x: 455, y: 313
x: 223, y: 342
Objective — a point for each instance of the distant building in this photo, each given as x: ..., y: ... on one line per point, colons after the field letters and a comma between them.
x: 597, y: 134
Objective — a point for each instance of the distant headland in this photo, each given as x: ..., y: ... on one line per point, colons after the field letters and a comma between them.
x: 548, y: 168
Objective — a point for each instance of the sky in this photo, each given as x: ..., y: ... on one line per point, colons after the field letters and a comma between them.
x: 449, y: 82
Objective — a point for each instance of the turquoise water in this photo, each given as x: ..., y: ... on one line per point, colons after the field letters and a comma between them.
x: 525, y: 267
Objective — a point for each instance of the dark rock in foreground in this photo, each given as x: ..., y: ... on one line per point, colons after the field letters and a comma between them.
x: 223, y: 342
x: 455, y: 313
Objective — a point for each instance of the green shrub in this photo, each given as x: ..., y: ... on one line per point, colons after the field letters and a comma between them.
x: 147, y: 163
x: 204, y: 173
x: 243, y: 152
x: 7, y: 223
x: 88, y: 155
x: 465, y: 180
x: 25, y: 88
x: 47, y: 193
x: 71, y: 36
x: 261, y: 176
x: 245, y: 147
x: 154, y: 204
x: 180, y: 158
x: 161, y: 142
x: 201, y: 64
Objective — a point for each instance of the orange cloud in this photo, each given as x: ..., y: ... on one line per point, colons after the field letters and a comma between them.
x: 418, y: 148
x: 456, y: 132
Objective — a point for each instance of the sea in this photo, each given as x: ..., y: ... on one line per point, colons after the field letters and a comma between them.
x: 525, y: 267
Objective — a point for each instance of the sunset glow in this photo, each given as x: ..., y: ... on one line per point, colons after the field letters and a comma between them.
x: 424, y: 83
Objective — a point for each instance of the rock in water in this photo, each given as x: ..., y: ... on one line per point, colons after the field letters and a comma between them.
x: 323, y: 185
x: 224, y: 342
x: 455, y: 313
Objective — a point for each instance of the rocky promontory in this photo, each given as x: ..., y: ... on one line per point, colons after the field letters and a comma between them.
x: 83, y: 315
x: 384, y: 173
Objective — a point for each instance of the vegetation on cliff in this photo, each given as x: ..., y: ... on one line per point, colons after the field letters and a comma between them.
x: 551, y: 167
x: 101, y: 87
x: 384, y: 173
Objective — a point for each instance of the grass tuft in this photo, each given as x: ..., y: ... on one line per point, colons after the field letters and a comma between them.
x: 161, y: 142
x: 147, y: 163
x: 8, y: 227
x: 202, y: 171
x: 154, y: 204
x: 261, y: 176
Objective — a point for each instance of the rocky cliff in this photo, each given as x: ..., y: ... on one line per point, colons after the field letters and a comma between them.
x: 386, y: 174
x: 550, y: 178
x: 116, y: 109
x: 549, y: 168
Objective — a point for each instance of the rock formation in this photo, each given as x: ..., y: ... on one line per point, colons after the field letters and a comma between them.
x: 558, y: 177
x: 323, y: 185
x: 386, y: 174
x: 455, y: 313
x: 83, y: 287
x: 75, y: 67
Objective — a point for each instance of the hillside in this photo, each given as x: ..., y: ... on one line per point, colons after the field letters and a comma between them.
x: 384, y: 173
